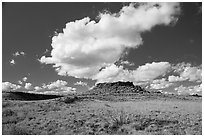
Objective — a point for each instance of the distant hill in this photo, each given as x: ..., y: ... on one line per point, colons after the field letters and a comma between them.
x: 117, y: 88
x: 27, y: 96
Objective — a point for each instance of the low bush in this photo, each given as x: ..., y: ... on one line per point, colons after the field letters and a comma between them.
x: 70, y: 99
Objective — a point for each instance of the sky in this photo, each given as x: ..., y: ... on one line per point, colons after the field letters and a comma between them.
x: 60, y: 48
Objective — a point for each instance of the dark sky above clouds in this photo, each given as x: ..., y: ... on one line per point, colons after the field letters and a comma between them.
x: 159, y: 53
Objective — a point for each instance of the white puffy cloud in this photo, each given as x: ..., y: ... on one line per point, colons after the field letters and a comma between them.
x: 173, y: 78
x: 57, y: 87
x: 19, y: 53
x: 16, y: 54
x: 192, y: 73
x: 28, y: 86
x: 187, y: 72
x: 86, y: 46
x: 56, y: 84
x: 160, y: 84
x: 111, y: 74
x: 22, y: 53
x: 12, y: 62
x: 81, y: 83
x: 7, y: 86
x: 197, y: 89
x: 37, y: 88
x: 20, y: 82
x: 150, y: 71
x: 25, y: 79
x: 125, y: 62
x: 143, y: 73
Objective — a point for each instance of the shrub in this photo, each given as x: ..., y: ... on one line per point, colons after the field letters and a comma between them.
x: 70, y: 99
x: 121, y: 119
x: 117, y: 121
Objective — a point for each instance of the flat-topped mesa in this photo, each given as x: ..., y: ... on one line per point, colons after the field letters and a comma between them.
x: 117, y: 87
x: 115, y: 84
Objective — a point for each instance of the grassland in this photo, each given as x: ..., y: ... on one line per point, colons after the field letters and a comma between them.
x: 104, y: 115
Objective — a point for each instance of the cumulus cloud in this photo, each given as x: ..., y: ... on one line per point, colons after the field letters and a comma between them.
x: 197, y: 89
x: 7, y: 86
x: 184, y: 71
x: 12, y: 62
x: 57, y: 87
x: 37, y: 88
x: 28, y: 86
x: 18, y: 53
x: 125, y: 62
x: 187, y: 72
x: 25, y: 79
x: 160, y: 84
x: 22, y: 53
x: 81, y: 83
x: 150, y: 71
x: 192, y: 73
x: 173, y: 78
x: 56, y: 84
x: 20, y: 82
x: 86, y: 46
x: 143, y: 73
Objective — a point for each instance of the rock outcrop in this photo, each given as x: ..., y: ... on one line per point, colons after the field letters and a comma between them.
x: 117, y: 88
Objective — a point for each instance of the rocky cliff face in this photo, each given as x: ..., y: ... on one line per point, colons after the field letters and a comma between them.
x: 117, y: 88
x: 114, y: 84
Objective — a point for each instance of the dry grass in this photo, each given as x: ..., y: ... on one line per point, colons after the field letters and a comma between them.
x: 154, y: 117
